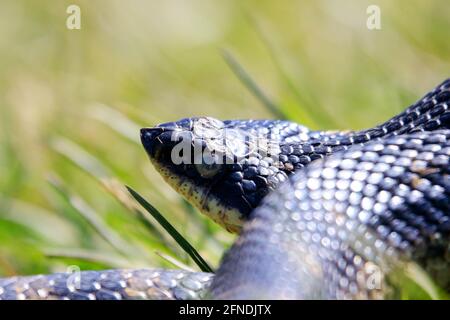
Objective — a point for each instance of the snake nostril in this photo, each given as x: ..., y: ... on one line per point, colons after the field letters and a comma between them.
x: 149, y: 134
x: 148, y: 138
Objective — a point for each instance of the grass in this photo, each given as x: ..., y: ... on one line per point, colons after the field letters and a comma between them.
x: 72, y: 104
x: 182, y: 242
x: 252, y: 86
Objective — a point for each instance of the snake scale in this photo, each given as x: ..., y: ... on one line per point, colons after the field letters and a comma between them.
x: 321, y: 214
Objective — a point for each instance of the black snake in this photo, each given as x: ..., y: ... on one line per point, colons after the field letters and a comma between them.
x: 321, y: 215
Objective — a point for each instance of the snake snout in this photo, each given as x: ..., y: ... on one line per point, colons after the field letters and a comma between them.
x: 160, y: 140
x: 154, y: 138
x: 150, y: 139
x: 149, y: 134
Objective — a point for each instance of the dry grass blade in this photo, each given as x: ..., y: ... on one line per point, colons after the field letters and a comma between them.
x: 251, y: 85
x: 315, y: 111
x: 116, y: 121
x: 89, y: 214
x: 98, y: 171
x: 101, y: 174
x: 108, y: 259
x: 173, y: 261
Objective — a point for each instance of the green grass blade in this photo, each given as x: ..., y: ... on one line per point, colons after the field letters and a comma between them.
x: 419, y: 276
x: 187, y: 247
x: 91, y: 165
x: 251, y: 85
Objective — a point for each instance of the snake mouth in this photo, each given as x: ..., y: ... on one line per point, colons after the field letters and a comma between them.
x: 158, y: 142
x: 201, y: 197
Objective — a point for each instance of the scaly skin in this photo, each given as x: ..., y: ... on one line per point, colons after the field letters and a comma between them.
x: 378, y: 204
x: 155, y: 284
x: 345, y: 223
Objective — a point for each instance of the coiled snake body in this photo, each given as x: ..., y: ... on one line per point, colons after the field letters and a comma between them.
x: 333, y: 215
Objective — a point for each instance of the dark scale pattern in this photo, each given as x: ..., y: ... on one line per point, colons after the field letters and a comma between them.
x: 259, y: 177
x: 108, y: 285
x: 276, y: 130
x: 342, y: 224
x: 243, y: 185
x: 337, y: 228
x: 430, y: 113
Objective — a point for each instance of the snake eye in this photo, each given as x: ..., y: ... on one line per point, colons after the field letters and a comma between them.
x: 209, y: 167
x: 208, y: 170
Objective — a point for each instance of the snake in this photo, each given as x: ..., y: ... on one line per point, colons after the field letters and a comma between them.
x: 319, y: 214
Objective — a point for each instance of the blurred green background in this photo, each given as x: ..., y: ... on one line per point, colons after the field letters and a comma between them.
x: 72, y: 103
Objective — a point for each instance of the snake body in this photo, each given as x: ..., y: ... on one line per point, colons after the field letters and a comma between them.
x: 335, y: 215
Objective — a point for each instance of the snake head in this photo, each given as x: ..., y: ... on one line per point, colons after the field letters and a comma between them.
x: 222, y: 170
